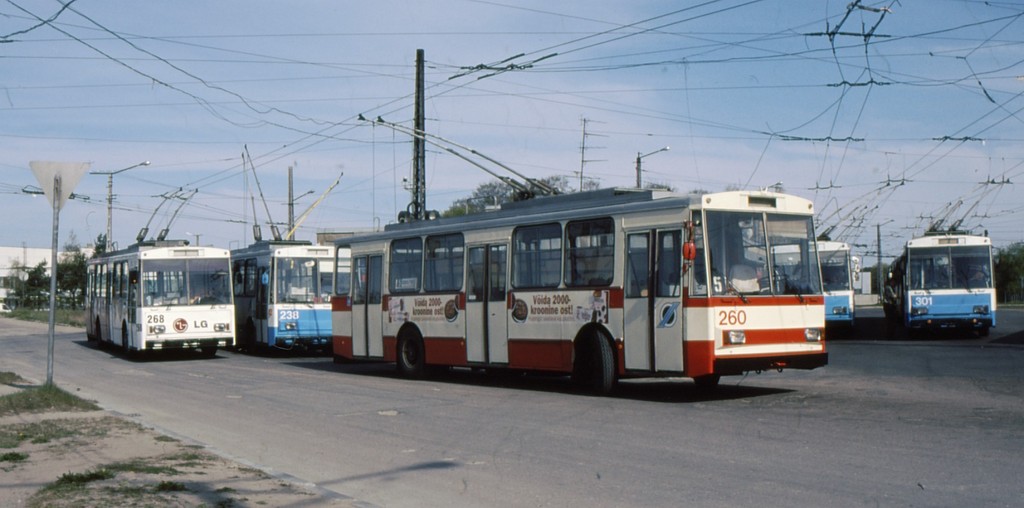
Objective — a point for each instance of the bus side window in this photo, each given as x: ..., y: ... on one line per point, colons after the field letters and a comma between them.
x: 637, y: 269
x: 590, y: 252
x: 238, y: 278
x: 670, y: 263
x: 537, y: 256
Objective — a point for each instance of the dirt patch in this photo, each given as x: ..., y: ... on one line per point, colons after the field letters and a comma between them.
x: 94, y: 458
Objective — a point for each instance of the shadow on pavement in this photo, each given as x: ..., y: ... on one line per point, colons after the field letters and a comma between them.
x: 668, y: 390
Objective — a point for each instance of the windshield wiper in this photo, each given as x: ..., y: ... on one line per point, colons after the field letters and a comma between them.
x: 728, y: 285
x: 735, y: 291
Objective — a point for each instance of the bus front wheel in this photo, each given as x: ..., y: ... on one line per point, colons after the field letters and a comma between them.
x: 707, y: 382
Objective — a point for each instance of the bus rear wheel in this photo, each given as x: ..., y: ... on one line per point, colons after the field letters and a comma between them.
x: 411, y: 356
x: 707, y: 382
x: 594, y: 366
x: 124, y: 340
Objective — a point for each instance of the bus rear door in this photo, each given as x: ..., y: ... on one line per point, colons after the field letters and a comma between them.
x: 486, y: 305
x: 367, y: 314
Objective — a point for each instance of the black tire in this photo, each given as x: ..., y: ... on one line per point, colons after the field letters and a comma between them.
x: 208, y: 351
x: 411, y: 358
x: 594, y: 365
x: 97, y: 334
x: 707, y: 383
x: 124, y: 341
x: 246, y: 338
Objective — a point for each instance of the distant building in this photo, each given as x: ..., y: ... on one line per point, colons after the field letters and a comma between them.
x: 27, y: 257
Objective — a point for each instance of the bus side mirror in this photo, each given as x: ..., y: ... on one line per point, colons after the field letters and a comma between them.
x: 689, y: 251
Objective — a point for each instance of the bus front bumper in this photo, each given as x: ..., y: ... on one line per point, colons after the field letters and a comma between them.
x: 737, y: 366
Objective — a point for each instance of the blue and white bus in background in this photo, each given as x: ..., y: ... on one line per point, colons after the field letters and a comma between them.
x: 283, y: 295
x: 943, y: 280
x: 839, y: 273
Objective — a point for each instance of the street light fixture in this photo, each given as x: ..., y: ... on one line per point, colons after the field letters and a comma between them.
x: 639, y: 180
x: 110, y: 197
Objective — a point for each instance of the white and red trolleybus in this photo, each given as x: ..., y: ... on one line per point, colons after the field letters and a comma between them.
x: 161, y: 295
x: 601, y: 285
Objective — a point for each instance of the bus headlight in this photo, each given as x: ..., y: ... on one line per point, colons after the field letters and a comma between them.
x: 291, y: 326
x: 812, y: 335
x: 736, y: 337
x: 840, y: 310
x: 918, y: 311
x: 981, y: 309
x: 157, y: 329
x: 221, y: 327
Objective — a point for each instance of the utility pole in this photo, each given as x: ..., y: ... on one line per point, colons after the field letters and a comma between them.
x: 419, y: 149
x: 878, y: 266
x: 110, y: 199
x: 639, y: 179
x: 583, y: 149
x: 291, y: 201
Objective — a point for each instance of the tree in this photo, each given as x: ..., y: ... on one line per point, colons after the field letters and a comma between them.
x: 659, y: 186
x: 101, y: 245
x: 34, y: 294
x: 1009, y: 272
x: 71, y: 273
x: 496, y: 192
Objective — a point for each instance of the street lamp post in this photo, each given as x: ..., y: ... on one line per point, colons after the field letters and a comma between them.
x: 110, y: 197
x: 639, y: 179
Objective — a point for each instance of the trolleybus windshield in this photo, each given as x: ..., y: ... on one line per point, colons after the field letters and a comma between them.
x: 186, y: 281
x: 761, y: 253
x: 835, y: 270
x: 297, y: 279
x: 963, y: 267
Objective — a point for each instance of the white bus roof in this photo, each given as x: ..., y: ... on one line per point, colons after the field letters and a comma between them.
x: 946, y: 239
x: 285, y: 248
x: 832, y: 246
x: 596, y: 203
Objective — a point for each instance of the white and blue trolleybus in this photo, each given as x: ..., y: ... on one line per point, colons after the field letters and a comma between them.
x: 943, y: 280
x: 283, y: 295
x: 839, y: 271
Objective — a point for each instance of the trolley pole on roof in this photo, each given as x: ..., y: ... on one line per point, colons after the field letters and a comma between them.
x: 419, y: 148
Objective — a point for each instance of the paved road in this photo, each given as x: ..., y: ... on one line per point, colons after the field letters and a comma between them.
x: 887, y: 423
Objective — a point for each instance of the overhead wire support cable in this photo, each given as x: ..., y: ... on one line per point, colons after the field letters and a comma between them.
x: 531, y: 187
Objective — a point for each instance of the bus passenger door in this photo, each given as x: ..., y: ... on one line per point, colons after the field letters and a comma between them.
x: 261, y: 312
x: 367, y: 316
x: 486, y: 304
x: 653, y: 301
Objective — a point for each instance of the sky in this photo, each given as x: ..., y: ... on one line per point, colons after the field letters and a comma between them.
x: 891, y: 116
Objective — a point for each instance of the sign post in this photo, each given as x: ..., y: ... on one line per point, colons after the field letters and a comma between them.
x: 58, y: 180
